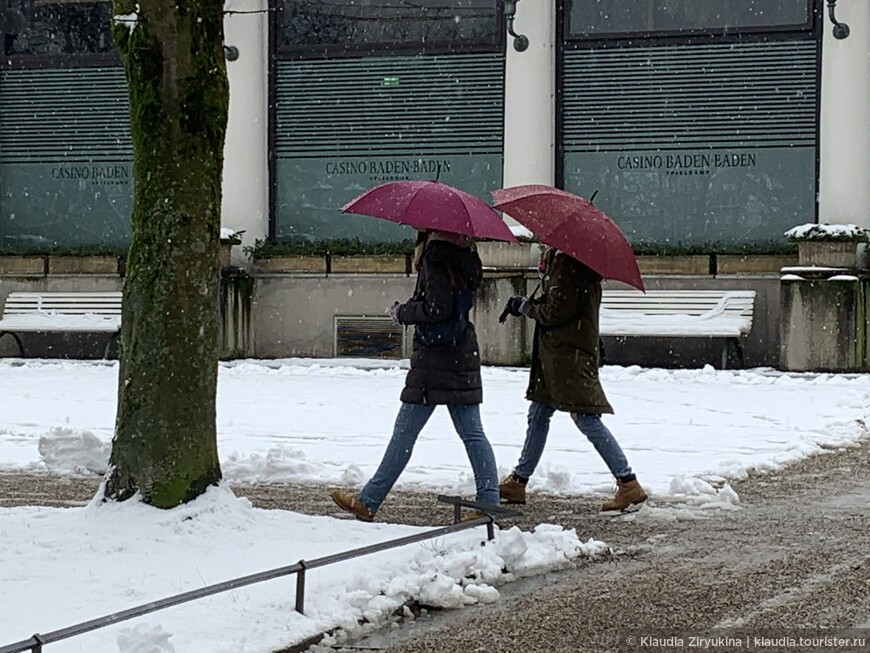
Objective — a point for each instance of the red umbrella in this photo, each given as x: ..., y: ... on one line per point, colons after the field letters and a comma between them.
x: 573, y: 225
x: 431, y: 205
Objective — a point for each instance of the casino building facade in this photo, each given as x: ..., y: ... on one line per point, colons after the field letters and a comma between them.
x: 699, y: 125
x: 702, y: 127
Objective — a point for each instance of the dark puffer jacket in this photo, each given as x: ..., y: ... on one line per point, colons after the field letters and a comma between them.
x: 446, y: 373
x: 564, y: 371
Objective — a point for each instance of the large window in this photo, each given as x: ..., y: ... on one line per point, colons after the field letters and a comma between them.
x: 607, y: 17
x: 323, y: 26
x: 55, y: 27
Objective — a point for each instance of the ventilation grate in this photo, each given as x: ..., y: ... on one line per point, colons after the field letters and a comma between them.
x: 362, y: 336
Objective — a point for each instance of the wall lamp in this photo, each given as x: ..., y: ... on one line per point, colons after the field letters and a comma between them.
x: 521, y: 42
x: 841, y: 30
x: 231, y: 52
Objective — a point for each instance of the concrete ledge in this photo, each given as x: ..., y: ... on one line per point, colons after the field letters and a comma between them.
x: 829, y: 254
x: 753, y: 263
x: 83, y: 265
x: 697, y: 265
x: 312, y: 264
x: 509, y: 256
x: 22, y: 265
x: 368, y: 264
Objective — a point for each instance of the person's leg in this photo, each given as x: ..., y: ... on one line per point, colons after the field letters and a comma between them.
x: 605, y: 444
x: 628, y: 490
x: 466, y: 420
x: 536, y: 439
x: 409, y: 422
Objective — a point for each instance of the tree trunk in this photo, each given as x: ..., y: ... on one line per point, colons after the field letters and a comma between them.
x: 165, y: 444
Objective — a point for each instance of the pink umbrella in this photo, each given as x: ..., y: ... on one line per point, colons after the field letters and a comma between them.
x: 431, y: 205
x: 573, y: 225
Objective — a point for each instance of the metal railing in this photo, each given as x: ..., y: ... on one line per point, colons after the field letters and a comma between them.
x: 36, y: 642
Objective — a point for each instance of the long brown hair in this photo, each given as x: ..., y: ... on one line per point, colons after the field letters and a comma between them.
x: 419, y: 248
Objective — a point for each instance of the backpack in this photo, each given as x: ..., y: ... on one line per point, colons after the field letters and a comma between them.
x: 449, y: 332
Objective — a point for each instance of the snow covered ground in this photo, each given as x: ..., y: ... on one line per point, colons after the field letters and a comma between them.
x: 686, y: 432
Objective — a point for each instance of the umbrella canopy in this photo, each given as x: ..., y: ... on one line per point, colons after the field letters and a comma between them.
x: 573, y: 225
x: 431, y: 205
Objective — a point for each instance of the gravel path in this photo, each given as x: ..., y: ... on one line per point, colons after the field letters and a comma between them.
x: 794, y: 558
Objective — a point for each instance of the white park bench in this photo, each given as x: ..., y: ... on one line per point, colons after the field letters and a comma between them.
x: 83, y: 312
x: 725, y: 314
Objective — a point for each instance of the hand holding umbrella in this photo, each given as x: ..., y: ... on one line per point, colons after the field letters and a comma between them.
x: 516, y: 306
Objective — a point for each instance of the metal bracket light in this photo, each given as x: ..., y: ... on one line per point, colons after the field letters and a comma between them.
x: 841, y: 30
x: 521, y: 42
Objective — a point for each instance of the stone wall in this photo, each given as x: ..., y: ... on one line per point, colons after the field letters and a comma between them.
x: 277, y: 314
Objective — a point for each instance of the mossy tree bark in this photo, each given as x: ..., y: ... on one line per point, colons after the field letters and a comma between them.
x: 165, y: 444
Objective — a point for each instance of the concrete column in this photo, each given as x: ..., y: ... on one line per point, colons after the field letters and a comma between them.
x: 844, y: 184
x: 530, y: 97
x: 823, y: 325
x: 246, y: 172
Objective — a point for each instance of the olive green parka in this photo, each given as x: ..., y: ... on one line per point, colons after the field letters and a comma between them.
x: 564, y: 370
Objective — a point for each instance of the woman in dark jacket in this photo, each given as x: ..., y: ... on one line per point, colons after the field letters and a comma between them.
x: 564, y: 375
x: 445, y: 370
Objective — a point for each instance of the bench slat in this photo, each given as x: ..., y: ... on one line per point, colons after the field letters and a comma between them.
x: 35, y: 297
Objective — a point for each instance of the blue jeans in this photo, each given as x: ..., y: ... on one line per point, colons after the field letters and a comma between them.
x: 409, y: 422
x: 590, y: 425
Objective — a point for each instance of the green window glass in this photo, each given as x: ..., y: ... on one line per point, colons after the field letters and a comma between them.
x: 55, y: 27
x: 384, y: 24
x: 599, y: 17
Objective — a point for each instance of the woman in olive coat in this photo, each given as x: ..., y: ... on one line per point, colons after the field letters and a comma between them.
x: 564, y: 375
x: 445, y: 370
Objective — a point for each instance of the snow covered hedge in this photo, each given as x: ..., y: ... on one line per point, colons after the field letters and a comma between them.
x: 830, y: 233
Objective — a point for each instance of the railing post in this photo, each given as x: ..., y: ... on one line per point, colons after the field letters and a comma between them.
x: 37, y: 648
x: 490, y: 529
x: 300, y: 588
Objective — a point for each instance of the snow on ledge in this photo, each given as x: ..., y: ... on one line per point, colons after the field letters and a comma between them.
x: 130, y: 21
x: 520, y: 231
x: 231, y: 234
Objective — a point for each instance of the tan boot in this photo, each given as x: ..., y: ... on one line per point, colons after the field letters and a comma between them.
x: 627, y: 494
x: 512, y: 489
x: 471, y: 516
x: 348, y: 501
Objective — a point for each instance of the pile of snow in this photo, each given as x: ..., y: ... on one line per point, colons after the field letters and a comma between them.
x: 65, y: 566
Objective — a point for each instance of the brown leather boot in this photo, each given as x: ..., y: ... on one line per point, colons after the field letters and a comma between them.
x: 512, y: 489
x: 627, y: 494
x: 471, y: 516
x: 348, y: 501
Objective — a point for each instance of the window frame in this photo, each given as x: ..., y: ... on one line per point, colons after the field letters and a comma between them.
x: 709, y: 32
x: 384, y: 49
x: 54, y: 61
